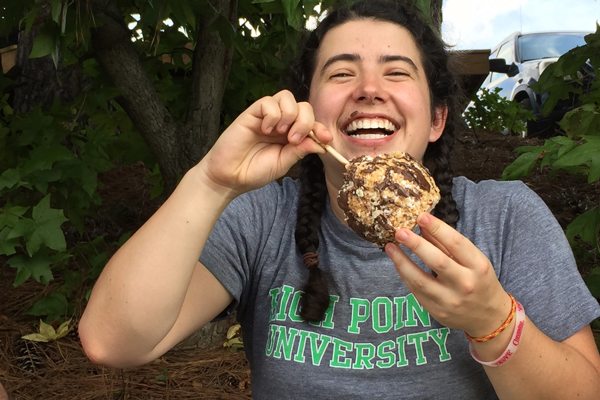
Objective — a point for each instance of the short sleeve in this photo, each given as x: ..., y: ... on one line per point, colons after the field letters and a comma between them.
x: 539, y: 268
x: 237, y: 238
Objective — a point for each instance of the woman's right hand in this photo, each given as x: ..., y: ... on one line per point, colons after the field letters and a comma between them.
x: 262, y: 144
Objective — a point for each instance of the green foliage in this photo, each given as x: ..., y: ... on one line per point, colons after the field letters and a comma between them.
x: 47, y: 332
x: 579, y: 151
x: 50, y: 163
x: 51, y: 160
x: 489, y: 110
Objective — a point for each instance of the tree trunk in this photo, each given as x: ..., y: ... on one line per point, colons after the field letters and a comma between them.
x: 210, y: 69
x: 39, y: 81
x: 176, y: 146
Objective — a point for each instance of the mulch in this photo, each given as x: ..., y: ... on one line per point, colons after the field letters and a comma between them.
x: 60, y: 370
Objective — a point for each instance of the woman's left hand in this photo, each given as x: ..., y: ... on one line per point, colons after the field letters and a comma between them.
x: 466, y: 293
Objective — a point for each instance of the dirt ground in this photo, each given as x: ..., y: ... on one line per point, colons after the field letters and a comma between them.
x: 60, y: 370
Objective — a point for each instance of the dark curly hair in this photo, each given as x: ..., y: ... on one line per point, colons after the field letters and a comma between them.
x: 444, y: 90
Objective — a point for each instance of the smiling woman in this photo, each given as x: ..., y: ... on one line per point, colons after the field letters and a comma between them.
x: 325, y: 313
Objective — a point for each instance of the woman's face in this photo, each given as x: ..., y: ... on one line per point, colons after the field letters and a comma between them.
x: 370, y: 90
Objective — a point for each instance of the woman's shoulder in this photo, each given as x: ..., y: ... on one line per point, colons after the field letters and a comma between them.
x: 276, y: 196
x: 466, y: 190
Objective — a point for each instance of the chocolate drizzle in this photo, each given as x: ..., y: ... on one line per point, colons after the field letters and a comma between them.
x: 383, y: 193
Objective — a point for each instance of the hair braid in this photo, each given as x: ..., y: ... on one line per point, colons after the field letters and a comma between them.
x: 439, y: 154
x: 313, y: 197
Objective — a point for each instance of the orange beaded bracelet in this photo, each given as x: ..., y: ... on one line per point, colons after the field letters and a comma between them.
x: 498, y: 331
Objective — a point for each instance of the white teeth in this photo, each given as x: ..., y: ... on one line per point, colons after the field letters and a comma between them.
x: 375, y: 123
x: 369, y: 136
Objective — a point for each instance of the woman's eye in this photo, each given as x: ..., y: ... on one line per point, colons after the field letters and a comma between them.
x: 341, y: 73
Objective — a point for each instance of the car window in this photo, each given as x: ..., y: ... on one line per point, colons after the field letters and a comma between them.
x: 538, y: 46
x: 488, y: 80
x: 506, y: 52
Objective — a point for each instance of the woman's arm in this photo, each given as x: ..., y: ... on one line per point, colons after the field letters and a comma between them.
x: 466, y: 295
x: 545, y: 369
x: 154, y: 292
x: 147, y: 284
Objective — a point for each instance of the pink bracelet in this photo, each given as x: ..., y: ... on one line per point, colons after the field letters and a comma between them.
x: 512, y: 346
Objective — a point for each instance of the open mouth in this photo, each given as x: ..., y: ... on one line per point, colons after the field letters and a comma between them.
x: 370, y: 128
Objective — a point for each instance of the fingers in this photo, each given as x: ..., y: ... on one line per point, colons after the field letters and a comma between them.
x: 450, y: 242
x: 417, y: 280
x: 444, y: 250
x: 279, y: 112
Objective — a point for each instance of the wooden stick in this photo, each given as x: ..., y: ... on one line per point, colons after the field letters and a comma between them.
x: 329, y: 149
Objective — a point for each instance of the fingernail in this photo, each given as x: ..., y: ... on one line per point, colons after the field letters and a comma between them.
x: 402, y: 236
x: 391, y: 249
x: 296, y: 138
x: 283, y: 128
x: 424, y: 219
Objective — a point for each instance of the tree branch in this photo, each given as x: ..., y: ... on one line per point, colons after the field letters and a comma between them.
x: 118, y: 57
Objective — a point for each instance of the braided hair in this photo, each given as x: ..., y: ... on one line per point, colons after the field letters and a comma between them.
x: 444, y: 91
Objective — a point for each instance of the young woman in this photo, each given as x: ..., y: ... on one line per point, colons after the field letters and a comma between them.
x: 324, y: 313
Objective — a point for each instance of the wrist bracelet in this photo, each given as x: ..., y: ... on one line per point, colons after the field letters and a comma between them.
x: 512, y: 345
x: 498, y: 331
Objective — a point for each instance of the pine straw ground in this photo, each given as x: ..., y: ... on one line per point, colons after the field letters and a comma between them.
x: 63, y: 372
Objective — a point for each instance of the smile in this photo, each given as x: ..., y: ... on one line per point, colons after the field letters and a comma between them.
x: 370, y: 128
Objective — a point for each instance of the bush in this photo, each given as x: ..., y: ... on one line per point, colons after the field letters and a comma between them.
x: 576, y: 73
x: 488, y: 110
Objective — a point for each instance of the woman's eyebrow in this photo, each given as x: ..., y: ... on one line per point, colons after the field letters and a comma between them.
x: 340, y: 57
x: 391, y: 58
x: 356, y: 57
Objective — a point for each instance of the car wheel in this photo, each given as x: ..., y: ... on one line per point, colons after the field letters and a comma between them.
x: 532, y: 129
x: 535, y: 128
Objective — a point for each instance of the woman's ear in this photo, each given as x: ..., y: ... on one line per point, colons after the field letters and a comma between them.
x: 438, y: 123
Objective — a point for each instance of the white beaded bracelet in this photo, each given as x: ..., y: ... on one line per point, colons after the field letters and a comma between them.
x: 512, y: 345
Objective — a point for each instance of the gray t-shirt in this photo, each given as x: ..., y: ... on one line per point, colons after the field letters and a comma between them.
x: 376, y: 341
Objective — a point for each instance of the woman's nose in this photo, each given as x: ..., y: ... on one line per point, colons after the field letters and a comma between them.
x: 369, y: 90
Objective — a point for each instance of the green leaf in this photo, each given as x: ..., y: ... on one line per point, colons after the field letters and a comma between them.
x: 293, y: 13
x: 37, y: 266
x: 581, y: 120
x: 425, y: 7
x: 7, y: 246
x: 593, y: 282
x: 44, y: 157
x: 54, y: 305
x: 521, y: 167
x: 57, y: 6
x: 30, y: 17
x: 46, y: 42
x: 594, y: 173
x: 63, y: 330
x: 9, y: 178
x: 43, y: 228
x: 585, y: 226
x: 183, y: 12
x: 36, y: 337
x: 22, y: 228
x: 9, y: 216
x: 581, y: 154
